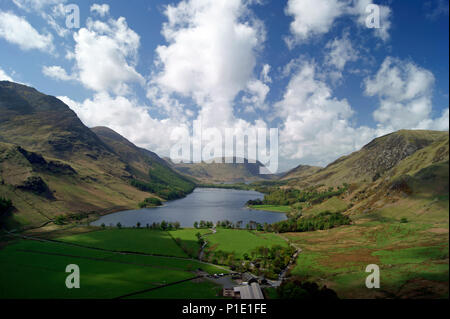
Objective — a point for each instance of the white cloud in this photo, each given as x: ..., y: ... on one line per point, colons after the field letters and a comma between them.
x: 36, y: 4
x: 4, y: 76
x: 106, y: 55
x: 101, y: 9
x: 359, y: 10
x: 210, y: 55
x: 341, y: 51
x: 316, y: 17
x: 256, y: 97
x: 405, y: 94
x: 52, y: 11
x: 313, y: 17
x: 317, y: 126
x: 127, y: 117
x: 265, y: 77
x: 18, y: 31
x: 57, y: 72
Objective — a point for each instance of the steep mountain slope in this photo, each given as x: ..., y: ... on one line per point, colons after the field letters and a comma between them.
x: 43, y: 123
x: 51, y: 164
x: 221, y: 172
x: 147, y: 168
x: 374, y: 159
x: 139, y: 160
x: 300, y: 172
x: 397, y: 196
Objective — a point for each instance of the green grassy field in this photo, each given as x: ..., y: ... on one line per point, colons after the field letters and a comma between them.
x: 333, y: 205
x: 272, y: 208
x: 188, y: 240
x: 242, y: 241
x: 30, y: 269
x: 136, y: 240
x: 409, y: 255
x: 195, y: 290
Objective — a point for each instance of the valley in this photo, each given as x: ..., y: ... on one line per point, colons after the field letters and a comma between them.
x: 142, y: 227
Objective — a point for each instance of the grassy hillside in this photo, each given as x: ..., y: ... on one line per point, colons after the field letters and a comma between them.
x: 30, y: 269
x: 54, y: 168
x: 374, y: 159
x: 300, y: 172
x: 396, y: 194
x: 150, y: 172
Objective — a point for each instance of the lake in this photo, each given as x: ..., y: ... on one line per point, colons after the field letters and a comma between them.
x: 203, y: 204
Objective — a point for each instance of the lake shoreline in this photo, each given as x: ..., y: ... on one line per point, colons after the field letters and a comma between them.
x: 204, y: 203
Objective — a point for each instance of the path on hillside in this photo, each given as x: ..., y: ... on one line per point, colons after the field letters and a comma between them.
x: 292, y: 261
x: 202, y: 249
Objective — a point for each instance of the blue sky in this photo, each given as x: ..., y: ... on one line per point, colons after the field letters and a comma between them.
x: 332, y: 83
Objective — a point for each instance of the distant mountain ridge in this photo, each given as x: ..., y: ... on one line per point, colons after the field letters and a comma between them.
x: 223, y: 172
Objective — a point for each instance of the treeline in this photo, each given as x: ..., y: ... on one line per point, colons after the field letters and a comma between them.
x: 287, y: 197
x: 226, y: 224
x: 165, y: 183
x: 164, y: 191
x: 5, y: 206
x: 150, y: 202
x: 295, y: 288
x: 68, y: 218
x: 262, y: 261
x: 238, y: 186
x: 322, y: 221
x: 164, y: 225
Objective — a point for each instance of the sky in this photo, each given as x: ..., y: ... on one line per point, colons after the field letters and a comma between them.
x: 313, y: 69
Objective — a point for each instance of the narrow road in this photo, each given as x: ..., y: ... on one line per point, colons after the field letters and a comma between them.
x: 202, y: 249
x: 292, y: 261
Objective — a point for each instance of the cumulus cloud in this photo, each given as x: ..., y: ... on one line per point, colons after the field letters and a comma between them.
x: 57, y: 72
x: 265, y: 77
x: 4, y: 76
x: 127, y: 117
x: 19, y: 31
x: 340, y: 51
x: 106, y: 55
x: 313, y: 18
x: 101, y: 9
x: 210, y: 55
x: 404, y: 90
x: 360, y: 10
x: 256, y: 95
x: 317, y: 126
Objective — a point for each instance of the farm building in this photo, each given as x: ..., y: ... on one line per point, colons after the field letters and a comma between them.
x: 252, y: 291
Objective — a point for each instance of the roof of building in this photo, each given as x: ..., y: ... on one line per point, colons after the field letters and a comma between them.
x: 252, y: 291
